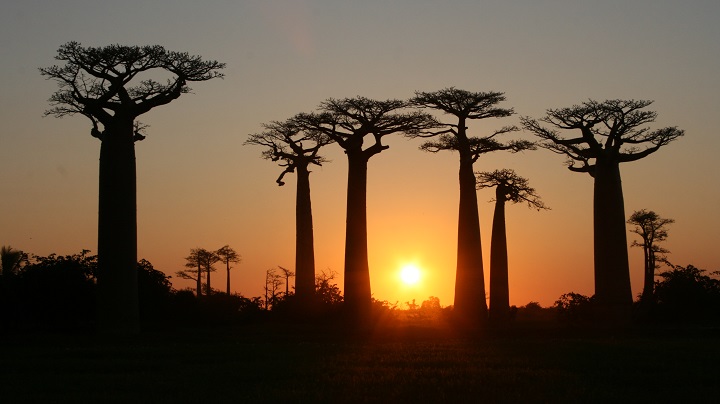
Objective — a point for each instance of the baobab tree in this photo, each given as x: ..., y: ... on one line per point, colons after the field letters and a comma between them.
x: 200, y: 260
x: 607, y: 133
x: 652, y: 229
x: 509, y: 187
x: 349, y: 123
x: 463, y: 106
x: 272, y: 284
x: 227, y: 255
x: 106, y: 85
x: 287, y: 274
x: 296, y: 149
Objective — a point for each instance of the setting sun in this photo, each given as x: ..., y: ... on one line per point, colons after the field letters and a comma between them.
x: 410, y: 274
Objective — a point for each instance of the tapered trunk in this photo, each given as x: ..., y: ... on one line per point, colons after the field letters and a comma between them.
x: 118, y: 311
x: 499, y: 288
x: 357, y: 272
x: 470, y: 304
x: 304, y: 239
x: 612, y: 271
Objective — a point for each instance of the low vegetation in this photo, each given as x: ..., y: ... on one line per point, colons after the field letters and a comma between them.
x: 224, y: 348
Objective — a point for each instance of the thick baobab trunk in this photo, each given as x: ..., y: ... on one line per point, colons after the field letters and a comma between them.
x: 499, y: 288
x: 117, y: 232
x: 612, y: 271
x: 470, y: 302
x: 357, y: 272
x: 304, y: 243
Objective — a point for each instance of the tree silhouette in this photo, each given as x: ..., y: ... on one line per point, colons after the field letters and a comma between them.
x: 509, y: 187
x: 272, y: 285
x: 296, y: 149
x: 608, y: 133
x: 227, y: 256
x: 104, y: 84
x: 326, y: 291
x: 287, y: 274
x: 53, y: 292
x: 348, y: 122
x: 10, y: 260
x: 688, y: 294
x: 200, y: 260
x: 464, y: 105
x: 651, y: 227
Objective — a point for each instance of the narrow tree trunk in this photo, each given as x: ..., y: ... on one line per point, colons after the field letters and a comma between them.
x: 612, y: 271
x: 647, y: 300
x: 357, y: 272
x: 304, y: 239
x: 499, y: 287
x: 118, y: 309
x: 267, y: 288
x: 227, y: 264
x: 649, y: 275
x: 208, y: 292
x: 199, y: 279
x: 470, y: 304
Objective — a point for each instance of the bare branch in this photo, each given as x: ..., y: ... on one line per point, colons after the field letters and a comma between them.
x: 97, y: 81
x: 290, y: 144
x: 612, y: 130
x: 510, y: 187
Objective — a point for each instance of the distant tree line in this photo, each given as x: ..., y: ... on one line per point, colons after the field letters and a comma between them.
x: 59, y: 293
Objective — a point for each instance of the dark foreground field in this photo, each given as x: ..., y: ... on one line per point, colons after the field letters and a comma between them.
x: 281, y: 363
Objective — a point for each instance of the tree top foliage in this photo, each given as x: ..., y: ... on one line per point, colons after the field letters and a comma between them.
x: 651, y: 227
x: 228, y: 255
x: 291, y: 145
x: 103, y: 83
x: 347, y: 121
x: 510, y: 186
x: 611, y: 129
x: 467, y: 105
x: 463, y: 104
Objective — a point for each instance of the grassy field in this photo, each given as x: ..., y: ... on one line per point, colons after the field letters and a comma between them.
x: 291, y: 363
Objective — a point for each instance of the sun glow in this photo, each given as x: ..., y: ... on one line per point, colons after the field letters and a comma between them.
x: 410, y: 274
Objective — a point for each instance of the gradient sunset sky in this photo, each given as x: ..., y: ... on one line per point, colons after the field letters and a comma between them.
x: 198, y: 186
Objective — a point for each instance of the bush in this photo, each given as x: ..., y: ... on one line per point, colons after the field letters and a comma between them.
x: 574, y: 308
x: 686, y: 294
x: 51, y: 293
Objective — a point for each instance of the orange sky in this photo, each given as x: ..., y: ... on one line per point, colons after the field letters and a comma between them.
x: 199, y: 187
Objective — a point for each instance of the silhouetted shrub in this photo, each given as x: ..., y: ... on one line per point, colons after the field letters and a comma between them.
x: 154, y: 295
x: 574, y: 308
x: 382, y: 311
x: 324, y: 306
x: 51, y: 293
x: 685, y: 294
x: 534, y: 313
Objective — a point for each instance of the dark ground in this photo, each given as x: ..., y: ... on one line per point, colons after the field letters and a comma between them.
x: 408, y: 363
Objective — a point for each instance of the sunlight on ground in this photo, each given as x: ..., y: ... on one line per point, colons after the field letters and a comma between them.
x: 410, y: 274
